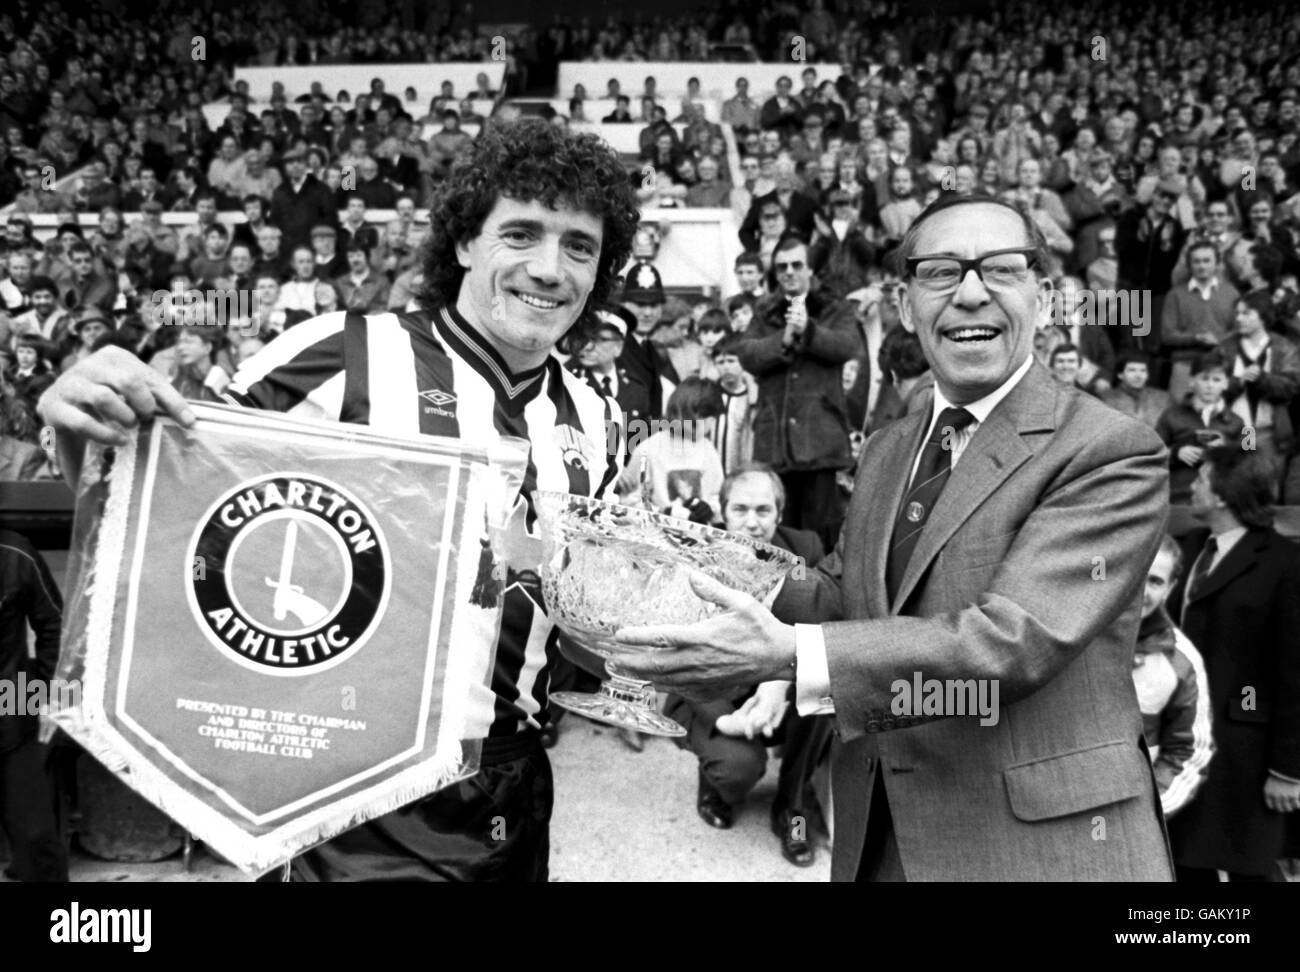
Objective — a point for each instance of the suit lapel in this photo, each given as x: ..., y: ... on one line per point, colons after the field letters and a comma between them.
x: 1236, y: 562
x: 995, y: 452
x: 881, y: 485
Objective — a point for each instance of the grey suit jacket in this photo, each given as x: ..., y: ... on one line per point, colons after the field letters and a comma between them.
x: 1029, y: 572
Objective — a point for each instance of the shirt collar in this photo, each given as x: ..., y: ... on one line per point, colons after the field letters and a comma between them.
x: 513, y: 390
x: 1207, y: 289
x: 981, y: 408
x: 1227, y: 538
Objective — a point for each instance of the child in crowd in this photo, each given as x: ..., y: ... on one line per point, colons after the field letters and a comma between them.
x: 749, y: 274
x: 30, y: 374
x: 741, y: 311
x: 1204, y: 420
x: 1172, y: 692
x: 712, y: 327
x: 734, y: 431
x: 681, y: 453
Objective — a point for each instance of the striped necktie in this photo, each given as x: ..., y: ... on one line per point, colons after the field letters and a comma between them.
x: 931, y: 476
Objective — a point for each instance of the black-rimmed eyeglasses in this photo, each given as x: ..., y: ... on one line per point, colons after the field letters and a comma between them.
x: 998, y: 270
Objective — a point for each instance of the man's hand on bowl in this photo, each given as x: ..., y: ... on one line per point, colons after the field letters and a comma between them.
x: 738, y: 648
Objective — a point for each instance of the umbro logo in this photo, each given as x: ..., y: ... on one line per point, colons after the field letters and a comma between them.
x: 437, y: 397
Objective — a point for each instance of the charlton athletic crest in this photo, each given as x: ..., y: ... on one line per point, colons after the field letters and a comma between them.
x: 288, y: 574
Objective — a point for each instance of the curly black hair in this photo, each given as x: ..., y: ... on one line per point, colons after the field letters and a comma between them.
x: 530, y: 160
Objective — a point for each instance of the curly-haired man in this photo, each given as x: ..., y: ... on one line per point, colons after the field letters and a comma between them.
x: 527, y: 239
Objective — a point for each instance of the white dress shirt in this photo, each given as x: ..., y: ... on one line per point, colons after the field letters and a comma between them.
x: 813, y: 680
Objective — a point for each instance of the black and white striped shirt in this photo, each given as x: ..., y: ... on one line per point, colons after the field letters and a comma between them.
x: 433, y: 374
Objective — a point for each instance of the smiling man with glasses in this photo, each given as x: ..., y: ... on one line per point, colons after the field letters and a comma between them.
x: 997, y: 540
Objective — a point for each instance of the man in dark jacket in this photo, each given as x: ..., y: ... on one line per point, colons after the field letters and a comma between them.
x: 28, y: 597
x: 643, y: 298
x: 1240, y: 606
x: 1148, y: 242
x: 596, y: 361
x: 796, y: 347
x: 800, y: 209
x: 301, y: 202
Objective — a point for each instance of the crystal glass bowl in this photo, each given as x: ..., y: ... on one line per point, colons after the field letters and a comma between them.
x: 608, y: 566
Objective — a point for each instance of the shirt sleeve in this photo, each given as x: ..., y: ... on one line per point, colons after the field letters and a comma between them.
x: 813, y: 676
x: 302, y: 370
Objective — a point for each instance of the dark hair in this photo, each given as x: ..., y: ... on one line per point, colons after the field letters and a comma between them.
x: 1209, y: 360
x: 949, y: 201
x: 713, y: 319
x: 1246, y: 481
x: 1126, y: 358
x: 204, y: 332
x: 43, y: 283
x: 787, y: 242
x: 729, y: 345
x: 1060, y: 349
x: 1202, y: 245
x: 35, y: 342
x: 530, y: 160
x: 749, y: 258
x: 741, y: 300
x: 900, y: 355
x: 1262, y: 304
x: 1268, y: 261
x: 695, y: 398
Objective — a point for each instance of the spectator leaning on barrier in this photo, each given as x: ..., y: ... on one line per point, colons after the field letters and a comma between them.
x: 795, y: 347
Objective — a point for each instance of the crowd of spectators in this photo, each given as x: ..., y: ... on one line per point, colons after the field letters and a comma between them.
x: 1160, y: 162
